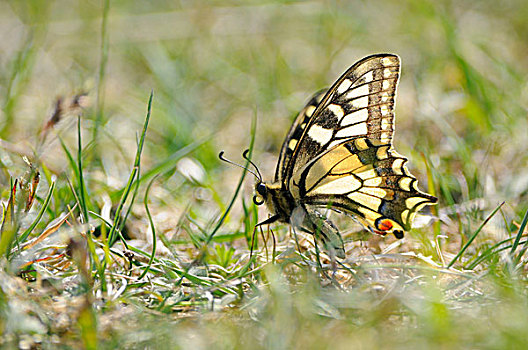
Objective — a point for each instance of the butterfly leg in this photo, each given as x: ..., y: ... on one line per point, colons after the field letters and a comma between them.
x: 311, y: 221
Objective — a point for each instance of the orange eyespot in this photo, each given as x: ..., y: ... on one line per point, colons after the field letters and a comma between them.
x: 384, y: 225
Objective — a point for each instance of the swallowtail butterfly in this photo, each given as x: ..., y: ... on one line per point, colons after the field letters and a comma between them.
x: 338, y: 155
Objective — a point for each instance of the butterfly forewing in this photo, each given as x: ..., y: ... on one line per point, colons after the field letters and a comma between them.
x: 367, y: 180
x: 295, y: 133
x: 359, y: 104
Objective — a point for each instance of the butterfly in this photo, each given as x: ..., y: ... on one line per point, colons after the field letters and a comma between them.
x: 338, y: 155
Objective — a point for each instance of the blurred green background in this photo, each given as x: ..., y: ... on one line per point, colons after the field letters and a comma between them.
x: 215, y: 65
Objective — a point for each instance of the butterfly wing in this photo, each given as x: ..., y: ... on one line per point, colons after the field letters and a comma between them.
x: 359, y: 104
x: 295, y: 132
x: 366, y: 179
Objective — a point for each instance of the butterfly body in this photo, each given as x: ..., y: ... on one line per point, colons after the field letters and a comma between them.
x: 338, y: 155
x: 287, y: 209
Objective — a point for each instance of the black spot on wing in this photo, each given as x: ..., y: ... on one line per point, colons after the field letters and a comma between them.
x: 328, y: 120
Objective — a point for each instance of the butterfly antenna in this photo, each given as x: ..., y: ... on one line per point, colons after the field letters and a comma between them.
x: 221, y: 156
x: 245, y: 156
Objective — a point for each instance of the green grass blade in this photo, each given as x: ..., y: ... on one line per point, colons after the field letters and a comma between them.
x: 82, y: 187
x: 117, y: 219
x: 519, y: 234
x: 71, y: 161
x: 8, y: 228
x: 472, y: 238
x: 111, y: 235
x: 137, y: 162
x: 495, y: 249
x: 152, y: 227
x: 28, y: 231
x: 109, y: 224
x: 518, y: 239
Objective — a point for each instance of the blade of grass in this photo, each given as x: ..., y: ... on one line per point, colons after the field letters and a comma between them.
x: 250, y: 220
x: 82, y: 187
x: 518, y: 239
x: 109, y: 224
x: 69, y: 156
x: 472, y: 238
x: 4, y: 216
x: 506, y: 225
x: 95, y: 262
x: 117, y: 218
x: 8, y: 229
x: 519, y: 234
x: 492, y: 250
x: 9, y: 209
x: 495, y: 249
x: 28, y: 231
x: 111, y: 235
x: 152, y: 227
x: 135, y: 184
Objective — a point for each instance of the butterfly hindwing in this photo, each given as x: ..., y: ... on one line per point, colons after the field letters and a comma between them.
x: 359, y: 104
x: 364, y: 178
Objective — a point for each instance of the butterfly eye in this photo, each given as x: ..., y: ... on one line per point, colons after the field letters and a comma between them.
x: 262, y: 189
